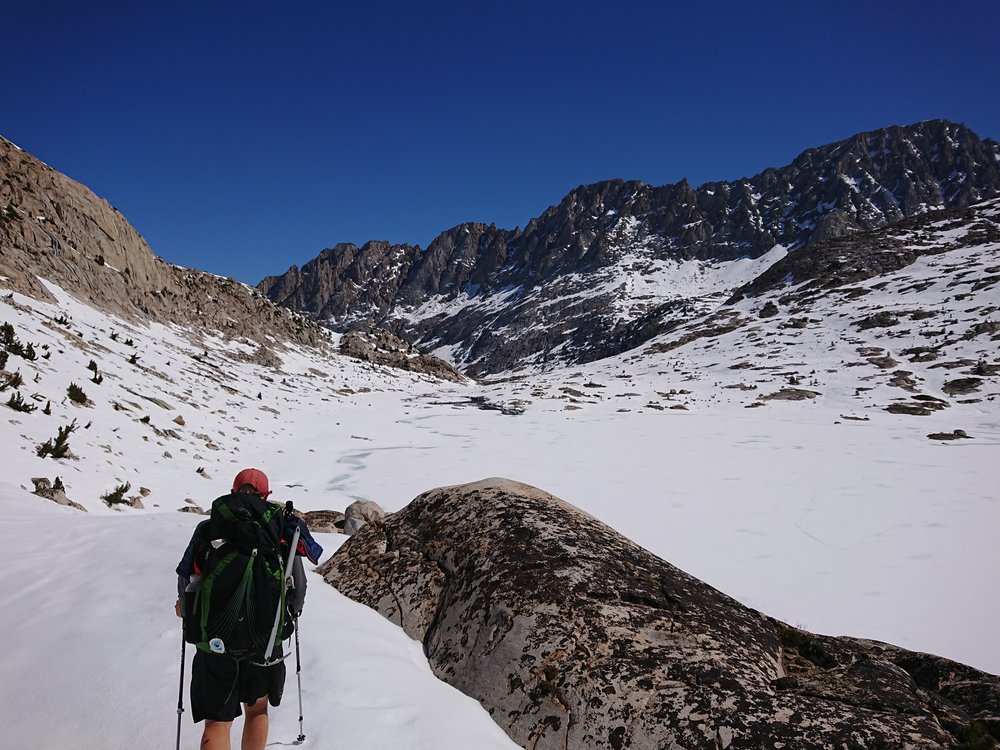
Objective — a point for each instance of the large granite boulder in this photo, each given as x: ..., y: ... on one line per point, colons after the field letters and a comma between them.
x: 572, y: 636
x: 361, y: 512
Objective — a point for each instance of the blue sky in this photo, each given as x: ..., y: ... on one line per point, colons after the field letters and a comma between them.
x: 243, y: 137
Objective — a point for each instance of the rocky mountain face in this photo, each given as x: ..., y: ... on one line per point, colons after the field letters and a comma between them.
x: 54, y: 228
x: 573, y: 636
x: 380, y: 347
x: 841, y: 262
x: 598, y: 274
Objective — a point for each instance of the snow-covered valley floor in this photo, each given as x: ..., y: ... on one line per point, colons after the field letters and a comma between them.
x: 857, y: 527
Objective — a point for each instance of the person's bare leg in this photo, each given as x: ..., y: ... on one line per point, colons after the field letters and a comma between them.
x: 255, y: 725
x: 215, y: 736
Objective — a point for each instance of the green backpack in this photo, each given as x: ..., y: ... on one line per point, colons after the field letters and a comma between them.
x: 239, y: 605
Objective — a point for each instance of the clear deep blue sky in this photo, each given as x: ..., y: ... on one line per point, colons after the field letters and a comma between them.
x: 243, y: 137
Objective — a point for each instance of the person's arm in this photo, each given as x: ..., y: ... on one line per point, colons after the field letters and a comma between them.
x: 185, y: 568
x: 179, y: 604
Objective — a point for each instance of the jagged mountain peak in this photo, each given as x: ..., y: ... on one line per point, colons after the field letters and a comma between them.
x: 598, y: 272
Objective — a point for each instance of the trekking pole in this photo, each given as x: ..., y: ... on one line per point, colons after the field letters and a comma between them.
x: 286, y: 581
x: 298, y: 675
x: 180, y: 689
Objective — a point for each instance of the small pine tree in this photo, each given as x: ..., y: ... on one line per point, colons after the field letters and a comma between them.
x: 134, y: 359
x: 57, y: 447
x: 14, y: 381
x: 97, y: 379
x: 114, y: 335
x: 76, y: 394
x: 7, y: 334
x: 58, y: 485
x: 17, y: 403
x: 4, y: 354
x: 117, y: 495
x: 92, y: 366
x: 48, y: 408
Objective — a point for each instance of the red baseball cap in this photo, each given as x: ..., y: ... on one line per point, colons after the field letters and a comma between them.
x: 255, y: 478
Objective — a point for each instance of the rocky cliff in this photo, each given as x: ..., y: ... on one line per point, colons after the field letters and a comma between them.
x: 572, y: 636
x: 595, y: 275
x: 54, y: 228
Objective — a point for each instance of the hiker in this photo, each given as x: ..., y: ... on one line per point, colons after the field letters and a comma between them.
x: 233, y: 669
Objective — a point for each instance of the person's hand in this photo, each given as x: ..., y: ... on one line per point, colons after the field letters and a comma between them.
x: 177, y: 607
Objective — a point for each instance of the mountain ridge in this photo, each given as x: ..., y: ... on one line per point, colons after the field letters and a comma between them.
x: 607, y: 231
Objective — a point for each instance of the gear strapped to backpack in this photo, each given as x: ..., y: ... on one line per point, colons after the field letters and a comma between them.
x: 238, y: 608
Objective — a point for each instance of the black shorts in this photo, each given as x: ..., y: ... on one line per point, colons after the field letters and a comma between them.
x: 219, y: 685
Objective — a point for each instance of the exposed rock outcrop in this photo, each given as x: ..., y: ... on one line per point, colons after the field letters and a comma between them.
x: 54, y: 491
x: 54, y: 228
x: 323, y: 521
x: 849, y: 260
x: 574, y: 637
x: 381, y: 347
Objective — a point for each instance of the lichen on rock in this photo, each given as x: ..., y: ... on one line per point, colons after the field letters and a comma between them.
x: 572, y: 636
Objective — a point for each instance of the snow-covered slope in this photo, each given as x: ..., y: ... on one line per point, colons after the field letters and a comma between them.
x: 95, y: 654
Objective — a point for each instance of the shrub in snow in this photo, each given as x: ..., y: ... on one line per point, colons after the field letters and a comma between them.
x: 76, y: 394
x: 10, y: 343
x: 117, y: 495
x: 57, y: 447
x: 13, y: 381
x: 18, y: 404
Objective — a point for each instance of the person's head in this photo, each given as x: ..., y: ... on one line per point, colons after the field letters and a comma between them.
x: 253, y: 481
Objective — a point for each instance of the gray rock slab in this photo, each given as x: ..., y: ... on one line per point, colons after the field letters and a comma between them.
x: 572, y: 636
